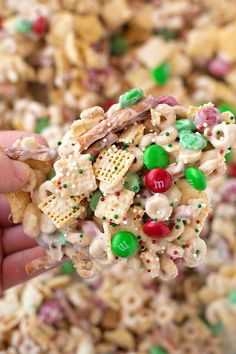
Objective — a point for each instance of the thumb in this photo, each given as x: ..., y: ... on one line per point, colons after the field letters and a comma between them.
x: 13, y: 174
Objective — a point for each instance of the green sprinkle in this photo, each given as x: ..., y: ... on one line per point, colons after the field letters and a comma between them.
x: 144, y: 196
x: 183, y: 246
x: 167, y: 133
x: 80, y: 171
x: 74, y: 207
x: 199, y: 206
x: 64, y: 185
x: 135, y: 188
x: 138, y: 237
x: 78, y: 219
x: 113, y: 224
x: 218, y: 132
x: 138, y: 204
x: 197, y: 252
x: 169, y: 145
x: 171, y: 204
x: 115, y: 168
x: 116, y: 216
x: 196, y: 230
x: 155, y: 219
x: 59, y: 143
x: 177, y: 227
x: 81, y: 235
x: 72, y: 196
x: 179, y: 238
x: 178, y: 220
x: 104, y: 218
x: 91, y: 158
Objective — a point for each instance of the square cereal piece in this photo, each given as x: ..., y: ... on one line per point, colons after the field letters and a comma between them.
x: 133, y: 134
x: 112, y: 164
x: 74, y: 176
x: 60, y: 212
x: 154, y: 52
x: 72, y: 200
x: 89, y: 28
x: 18, y: 202
x: 133, y: 222
x: 116, y: 13
x: 114, y: 207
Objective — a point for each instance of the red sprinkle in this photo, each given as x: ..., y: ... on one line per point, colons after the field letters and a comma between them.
x: 138, y: 216
x: 221, y: 151
x: 100, y: 157
x: 175, y: 252
x: 187, y: 244
x: 102, y: 199
x: 197, y: 221
x: 153, y: 241
x: 149, y: 270
x: 118, y: 193
x: 209, y: 133
x: 148, y: 261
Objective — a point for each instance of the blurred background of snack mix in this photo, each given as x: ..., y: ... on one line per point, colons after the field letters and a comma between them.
x: 58, y: 57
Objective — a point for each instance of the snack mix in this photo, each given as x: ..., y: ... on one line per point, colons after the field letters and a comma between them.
x: 136, y: 193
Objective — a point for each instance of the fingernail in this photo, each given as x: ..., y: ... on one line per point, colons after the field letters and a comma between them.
x: 21, y: 171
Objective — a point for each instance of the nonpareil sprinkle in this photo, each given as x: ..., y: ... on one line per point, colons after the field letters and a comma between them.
x: 64, y: 185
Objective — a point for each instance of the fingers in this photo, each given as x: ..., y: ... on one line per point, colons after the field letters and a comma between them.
x: 13, y: 174
x: 5, y: 212
x: 8, y: 137
x: 13, y: 266
x: 14, y: 240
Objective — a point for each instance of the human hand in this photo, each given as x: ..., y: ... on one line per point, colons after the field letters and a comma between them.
x: 16, y: 248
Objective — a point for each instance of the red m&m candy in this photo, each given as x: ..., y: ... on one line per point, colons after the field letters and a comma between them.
x: 40, y: 26
x: 156, y: 229
x: 158, y: 180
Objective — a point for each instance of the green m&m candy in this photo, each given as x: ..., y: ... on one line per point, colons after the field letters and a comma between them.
x: 118, y: 45
x: 67, y: 268
x: 23, y: 26
x: 224, y: 107
x: 124, y: 244
x: 192, y: 141
x: 185, y: 124
x: 95, y: 199
x: 229, y: 155
x: 131, y: 97
x: 41, y: 124
x: 196, y: 178
x: 232, y: 297
x: 155, y: 156
x: 132, y: 182
x: 160, y: 74
x: 61, y: 238
x: 157, y: 350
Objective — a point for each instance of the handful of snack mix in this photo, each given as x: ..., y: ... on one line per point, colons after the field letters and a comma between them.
x: 129, y: 183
